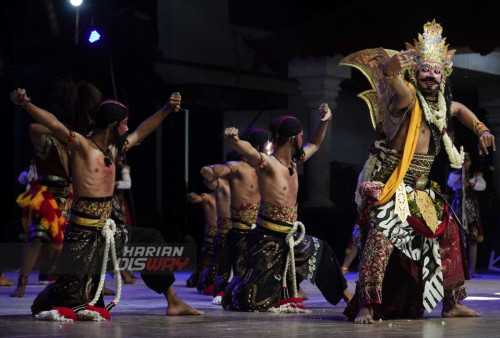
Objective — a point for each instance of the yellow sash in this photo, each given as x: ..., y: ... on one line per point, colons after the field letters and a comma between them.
x: 240, y: 226
x: 410, y: 145
x: 273, y: 226
x: 89, y: 222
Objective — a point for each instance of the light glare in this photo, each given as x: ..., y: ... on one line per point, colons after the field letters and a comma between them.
x: 481, y: 298
x: 76, y: 3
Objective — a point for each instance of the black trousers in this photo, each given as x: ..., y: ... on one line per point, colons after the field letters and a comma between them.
x: 80, y: 266
x: 156, y: 282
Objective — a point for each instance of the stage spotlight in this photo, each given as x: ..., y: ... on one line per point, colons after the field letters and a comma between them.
x: 94, y: 36
x: 76, y: 3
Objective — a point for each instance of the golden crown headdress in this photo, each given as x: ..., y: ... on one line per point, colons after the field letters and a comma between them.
x: 432, y: 47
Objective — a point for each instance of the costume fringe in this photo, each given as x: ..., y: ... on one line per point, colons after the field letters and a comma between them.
x: 89, y: 312
x: 291, y: 304
x: 57, y: 314
x: 217, y: 300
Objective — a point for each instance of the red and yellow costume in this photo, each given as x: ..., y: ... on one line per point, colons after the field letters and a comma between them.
x: 47, y: 201
x: 412, y: 252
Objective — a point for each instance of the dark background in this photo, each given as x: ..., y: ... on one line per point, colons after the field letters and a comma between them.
x: 35, y: 53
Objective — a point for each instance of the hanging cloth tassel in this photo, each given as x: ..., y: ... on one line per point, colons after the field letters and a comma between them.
x: 291, y: 304
x: 89, y: 311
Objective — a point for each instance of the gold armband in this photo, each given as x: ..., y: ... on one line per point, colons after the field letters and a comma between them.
x: 231, y: 168
x: 479, y: 128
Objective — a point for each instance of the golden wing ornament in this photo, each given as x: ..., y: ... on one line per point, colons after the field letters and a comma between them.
x: 370, y: 62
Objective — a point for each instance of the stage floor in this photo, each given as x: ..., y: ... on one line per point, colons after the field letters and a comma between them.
x: 141, y: 313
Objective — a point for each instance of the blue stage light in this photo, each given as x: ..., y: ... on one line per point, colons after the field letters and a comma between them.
x: 94, y: 36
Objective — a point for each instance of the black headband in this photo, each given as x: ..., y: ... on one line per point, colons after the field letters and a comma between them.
x: 109, y: 111
x: 285, y: 126
x: 255, y: 136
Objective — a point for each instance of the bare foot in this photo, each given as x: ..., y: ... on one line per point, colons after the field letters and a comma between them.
x: 179, y: 308
x: 127, y: 277
x: 302, y: 295
x: 176, y: 307
x: 108, y: 292
x: 347, y: 296
x: 4, y: 281
x: 459, y: 310
x: 21, y: 287
x: 364, y: 316
x: 19, y: 291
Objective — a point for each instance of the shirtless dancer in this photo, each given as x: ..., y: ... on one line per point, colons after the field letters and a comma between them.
x: 52, y: 183
x: 261, y: 287
x: 93, y: 170
x: 245, y: 201
x: 219, y: 263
